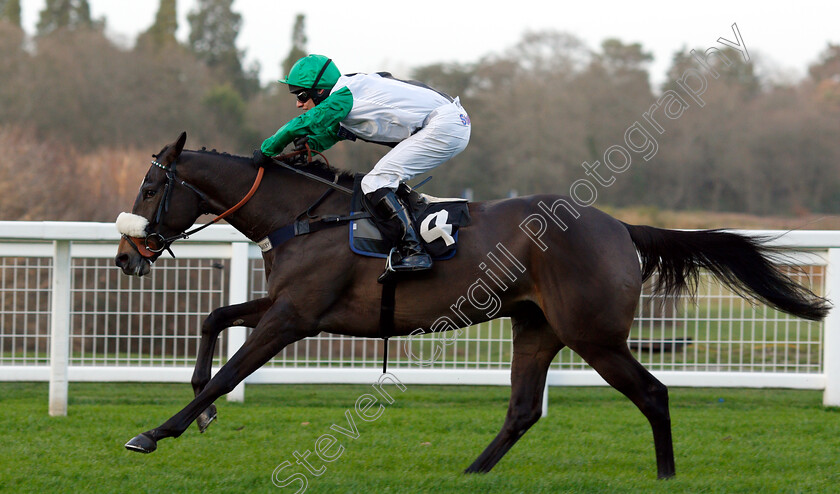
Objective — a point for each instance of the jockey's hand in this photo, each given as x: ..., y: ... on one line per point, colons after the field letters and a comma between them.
x: 260, y: 159
x: 300, y: 143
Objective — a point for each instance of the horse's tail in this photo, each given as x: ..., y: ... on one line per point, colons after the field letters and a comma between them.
x: 741, y: 263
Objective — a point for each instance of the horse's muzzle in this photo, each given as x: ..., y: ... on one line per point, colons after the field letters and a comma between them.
x: 130, y: 261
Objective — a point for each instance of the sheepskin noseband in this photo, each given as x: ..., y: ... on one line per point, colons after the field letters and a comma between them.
x: 132, y: 225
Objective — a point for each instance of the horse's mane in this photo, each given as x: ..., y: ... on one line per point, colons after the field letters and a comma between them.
x: 315, y: 167
x: 213, y: 152
x: 322, y: 169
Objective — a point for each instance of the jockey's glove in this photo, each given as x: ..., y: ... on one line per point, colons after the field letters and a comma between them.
x: 260, y: 159
x: 300, y: 143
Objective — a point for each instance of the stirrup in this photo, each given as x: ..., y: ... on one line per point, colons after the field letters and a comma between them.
x: 392, y: 268
x: 389, y: 272
x: 389, y: 263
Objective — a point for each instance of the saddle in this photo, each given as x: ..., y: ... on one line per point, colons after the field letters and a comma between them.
x: 437, y: 222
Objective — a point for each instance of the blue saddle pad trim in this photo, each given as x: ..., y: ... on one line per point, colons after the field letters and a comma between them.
x: 359, y: 249
x: 366, y: 239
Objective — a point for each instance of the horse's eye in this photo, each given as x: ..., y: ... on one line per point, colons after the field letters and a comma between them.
x: 149, y: 194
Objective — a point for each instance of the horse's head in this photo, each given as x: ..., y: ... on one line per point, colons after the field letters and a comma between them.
x: 164, y: 208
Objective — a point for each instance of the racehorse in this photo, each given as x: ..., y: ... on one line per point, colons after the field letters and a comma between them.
x: 572, y: 279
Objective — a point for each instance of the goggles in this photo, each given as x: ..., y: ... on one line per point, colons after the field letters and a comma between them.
x: 303, y: 95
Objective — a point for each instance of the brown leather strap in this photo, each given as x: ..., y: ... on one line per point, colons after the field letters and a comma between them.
x: 245, y: 199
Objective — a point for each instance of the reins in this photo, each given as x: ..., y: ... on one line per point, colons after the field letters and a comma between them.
x: 155, y: 243
x: 279, y: 160
x: 163, y: 242
x: 235, y: 207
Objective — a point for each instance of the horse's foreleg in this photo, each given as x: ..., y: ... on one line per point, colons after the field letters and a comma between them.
x: 272, y: 334
x: 623, y: 372
x: 534, y: 347
x: 246, y: 314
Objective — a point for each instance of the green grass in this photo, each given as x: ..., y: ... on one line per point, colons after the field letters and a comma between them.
x: 593, y: 440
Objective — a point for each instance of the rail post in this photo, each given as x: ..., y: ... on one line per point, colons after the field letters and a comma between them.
x: 831, y: 339
x: 60, y: 327
x: 238, y: 293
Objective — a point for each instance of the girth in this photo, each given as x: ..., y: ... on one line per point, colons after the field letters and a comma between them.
x: 303, y: 227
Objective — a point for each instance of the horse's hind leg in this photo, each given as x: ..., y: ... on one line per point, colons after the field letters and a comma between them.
x: 623, y: 372
x: 245, y: 314
x: 534, y: 347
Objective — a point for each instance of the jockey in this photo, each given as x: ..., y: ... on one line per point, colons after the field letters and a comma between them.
x: 423, y: 126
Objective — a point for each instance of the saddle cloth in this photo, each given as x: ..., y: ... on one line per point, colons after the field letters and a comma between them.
x: 437, y: 221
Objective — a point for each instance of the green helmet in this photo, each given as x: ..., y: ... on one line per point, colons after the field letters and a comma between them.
x: 313, y: 71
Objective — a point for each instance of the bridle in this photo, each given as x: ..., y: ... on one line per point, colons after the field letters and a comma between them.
x: 154, y: 243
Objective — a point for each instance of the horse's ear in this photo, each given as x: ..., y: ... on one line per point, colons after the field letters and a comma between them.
x: 171, y: 152
x: 179, y: 144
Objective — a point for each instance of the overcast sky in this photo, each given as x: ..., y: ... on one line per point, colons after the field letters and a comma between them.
x: 368, y: 36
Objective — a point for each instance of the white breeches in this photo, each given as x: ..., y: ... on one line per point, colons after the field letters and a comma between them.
x: 446, y: 134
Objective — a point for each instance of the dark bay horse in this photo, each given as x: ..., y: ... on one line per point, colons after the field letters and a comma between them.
x: 571, y: 279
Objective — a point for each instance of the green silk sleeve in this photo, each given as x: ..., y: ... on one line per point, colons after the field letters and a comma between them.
x: 321, y: 124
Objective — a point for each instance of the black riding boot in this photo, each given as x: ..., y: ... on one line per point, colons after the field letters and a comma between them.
x: 388, y: 209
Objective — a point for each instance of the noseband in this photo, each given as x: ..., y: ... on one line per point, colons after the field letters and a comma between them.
x: 153, y: 242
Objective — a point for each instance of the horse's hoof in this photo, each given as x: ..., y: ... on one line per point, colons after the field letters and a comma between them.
x: 142, y: 443
x: 476, y: 468
x: 206, y: 418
